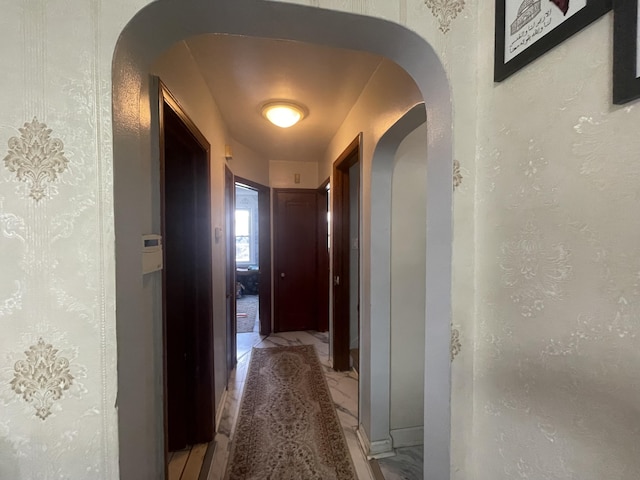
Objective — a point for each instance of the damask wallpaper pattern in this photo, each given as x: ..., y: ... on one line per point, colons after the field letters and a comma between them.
x: 57, y: 348
x: 445, y: 11
x: 42, y: 377
x: 36, y: 158
x: 456, y: 346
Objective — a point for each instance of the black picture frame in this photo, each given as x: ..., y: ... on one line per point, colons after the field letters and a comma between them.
x: 504, y: 67
x: 626, y: 83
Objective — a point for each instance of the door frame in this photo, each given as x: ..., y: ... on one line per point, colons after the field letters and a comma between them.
x: 264, y: 242
x: 340, y: 247
x: 324, y: 262
x: 230, y: 262
x: 166, y: 98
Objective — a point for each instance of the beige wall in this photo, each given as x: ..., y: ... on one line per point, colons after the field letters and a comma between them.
x: 557, y: 262
x: 282, y: 174
x: 249, y: 164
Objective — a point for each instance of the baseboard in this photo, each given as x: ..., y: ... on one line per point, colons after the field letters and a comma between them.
x: 377, y: 449
x: 207, y: 462
x: 376, y: 472
x: 220, y: 409
x: 407, y: 437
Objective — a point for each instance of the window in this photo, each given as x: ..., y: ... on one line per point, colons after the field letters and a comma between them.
x: 243, y: 236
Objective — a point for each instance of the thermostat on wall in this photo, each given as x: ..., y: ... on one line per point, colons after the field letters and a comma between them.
x: 151, y: 253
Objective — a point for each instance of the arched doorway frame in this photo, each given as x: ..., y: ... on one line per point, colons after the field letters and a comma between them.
x: 153, y: 30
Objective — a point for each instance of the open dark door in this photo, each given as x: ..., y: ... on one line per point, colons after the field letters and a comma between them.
x: 230, y: 282
x: 187, y: 279
x: 341, y: 260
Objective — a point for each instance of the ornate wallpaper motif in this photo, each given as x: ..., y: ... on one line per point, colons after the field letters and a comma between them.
x: 36, y: 158
x: 534, y: 271
x: 42, y: 378
x: 445, y: 11
x: 596, y: 137
x: 456, y: 346
x: 457, y: 175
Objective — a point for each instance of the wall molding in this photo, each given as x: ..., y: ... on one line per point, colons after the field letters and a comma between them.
x: 407, y: 437
x: 377, y: 449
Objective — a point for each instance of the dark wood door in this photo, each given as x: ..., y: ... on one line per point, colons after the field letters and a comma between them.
x: 230, y: 282
x: 340, y: 244
x: 187, y: 292
x: 296, y: 239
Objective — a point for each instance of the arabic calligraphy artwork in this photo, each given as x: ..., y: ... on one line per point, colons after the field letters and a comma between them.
x: 526, y: 29
x: 626, y: 51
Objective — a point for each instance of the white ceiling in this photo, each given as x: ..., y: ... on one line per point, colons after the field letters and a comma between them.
x: 243, y: 73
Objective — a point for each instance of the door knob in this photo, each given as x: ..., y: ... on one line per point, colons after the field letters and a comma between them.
x: 282, y: 275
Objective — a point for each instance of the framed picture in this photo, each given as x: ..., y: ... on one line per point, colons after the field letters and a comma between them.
x: 626, y: 51
x: 526, y: 29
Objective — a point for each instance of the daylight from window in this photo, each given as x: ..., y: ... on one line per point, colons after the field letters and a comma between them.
x: 243, y: 237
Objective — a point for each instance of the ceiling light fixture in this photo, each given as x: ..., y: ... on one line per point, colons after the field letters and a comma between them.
x: 283, y: 114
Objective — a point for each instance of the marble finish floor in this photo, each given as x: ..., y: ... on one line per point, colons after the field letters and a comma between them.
x: 405, y: 465
x: 343, y: 387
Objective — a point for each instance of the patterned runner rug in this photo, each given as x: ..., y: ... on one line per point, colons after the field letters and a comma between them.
x: 288, y: 428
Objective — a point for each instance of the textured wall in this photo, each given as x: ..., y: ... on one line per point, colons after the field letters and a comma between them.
x: 556, y: 390
x: 57, y: 348
x: 545, y: 293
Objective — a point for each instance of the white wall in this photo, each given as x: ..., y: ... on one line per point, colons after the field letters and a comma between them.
x: 248, y: 164
x: 282, y: 174
x: 408, y: 284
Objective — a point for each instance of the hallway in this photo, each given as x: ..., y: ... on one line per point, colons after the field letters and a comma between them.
x: 343, y: 387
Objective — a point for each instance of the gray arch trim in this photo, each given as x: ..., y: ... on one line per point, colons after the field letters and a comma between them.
x: 154, y: 29
x: 376, y: 335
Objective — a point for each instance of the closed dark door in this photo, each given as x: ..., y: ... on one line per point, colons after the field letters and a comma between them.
x: 296, y: 259
x: 187, y: 293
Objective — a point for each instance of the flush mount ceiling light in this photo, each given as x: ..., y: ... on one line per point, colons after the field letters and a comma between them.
x: 283, y: 114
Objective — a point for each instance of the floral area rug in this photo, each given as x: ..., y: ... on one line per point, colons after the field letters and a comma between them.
x: 287, y: 426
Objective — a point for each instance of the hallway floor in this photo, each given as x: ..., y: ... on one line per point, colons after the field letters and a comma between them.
x: 406, y: 465
x: 343, y: 387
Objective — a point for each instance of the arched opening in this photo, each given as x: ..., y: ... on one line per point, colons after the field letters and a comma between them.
x: 380, y: 326
x: 153, y: 30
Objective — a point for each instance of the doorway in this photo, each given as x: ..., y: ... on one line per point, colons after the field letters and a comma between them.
x: 187, y: 280
x: 137, y: 46
x: 252, y: 263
